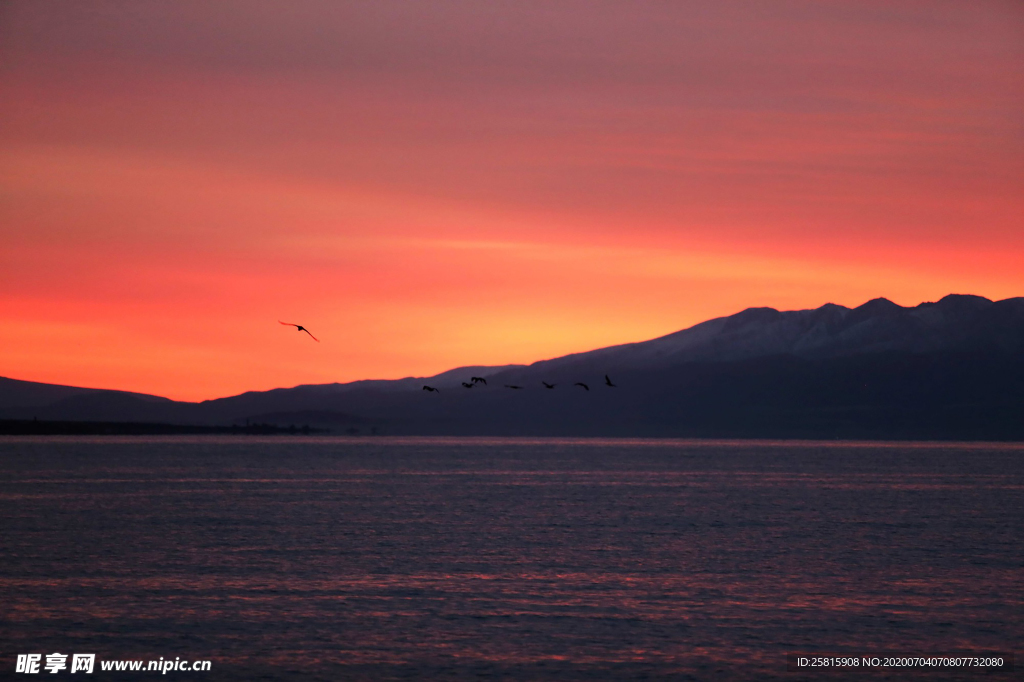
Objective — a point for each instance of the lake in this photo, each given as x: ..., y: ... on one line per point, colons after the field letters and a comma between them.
x: 344, y: 558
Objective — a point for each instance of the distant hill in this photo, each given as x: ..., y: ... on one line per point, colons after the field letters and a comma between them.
x: 29, y: 394
x: 953, y: 369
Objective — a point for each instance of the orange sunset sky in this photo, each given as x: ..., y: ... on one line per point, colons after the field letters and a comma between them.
x: 428, y: 185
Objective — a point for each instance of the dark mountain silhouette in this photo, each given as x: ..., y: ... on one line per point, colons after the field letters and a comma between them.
x: 28, y: 394
x: 956, y: 323
x: 953, y: 369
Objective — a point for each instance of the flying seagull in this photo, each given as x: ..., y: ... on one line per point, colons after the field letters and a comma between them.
x: 465, y: 385
x: 431, y: 388
x: 512, y: 386
x: 608, y: 382
x: 300, y: 328
x: 580, y: 383
x: 479, y: 380
x: 547, y: 385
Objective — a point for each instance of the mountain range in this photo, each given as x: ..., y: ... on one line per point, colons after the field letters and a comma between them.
x: 952, y: 369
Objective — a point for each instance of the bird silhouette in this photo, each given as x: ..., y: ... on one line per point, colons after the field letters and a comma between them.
x: 512, y: 386
x: 300, y: 328
x: 608, y: 382
x: 431, y: 388
x: 479, y: 380
x: 547, y: 385
x: 580, y: 383
x: 465, y: 385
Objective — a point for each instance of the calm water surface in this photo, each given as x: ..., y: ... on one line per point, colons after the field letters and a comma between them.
x: 511, y: 559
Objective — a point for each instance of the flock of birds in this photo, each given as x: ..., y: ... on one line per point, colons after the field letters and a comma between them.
x: 473, y: 381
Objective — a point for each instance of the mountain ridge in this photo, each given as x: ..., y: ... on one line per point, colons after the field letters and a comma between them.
x: 705, y: 340
x: 969, y: 347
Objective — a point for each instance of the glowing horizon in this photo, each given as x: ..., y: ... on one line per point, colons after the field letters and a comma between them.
x: 461, y: 184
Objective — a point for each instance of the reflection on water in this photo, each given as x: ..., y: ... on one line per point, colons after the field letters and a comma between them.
x: 522, y: 559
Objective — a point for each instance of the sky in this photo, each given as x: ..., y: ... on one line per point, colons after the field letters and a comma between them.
x: 436, y: 184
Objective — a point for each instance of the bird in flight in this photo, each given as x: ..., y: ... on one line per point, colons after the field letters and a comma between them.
x: 512, y: 386
x: 465, y: 385
x: 431, y: 388
x: 580, y: 383
x: 479, y: 380
x: 300, y: 328
x: 608, y: 382
x: 547, y: 385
